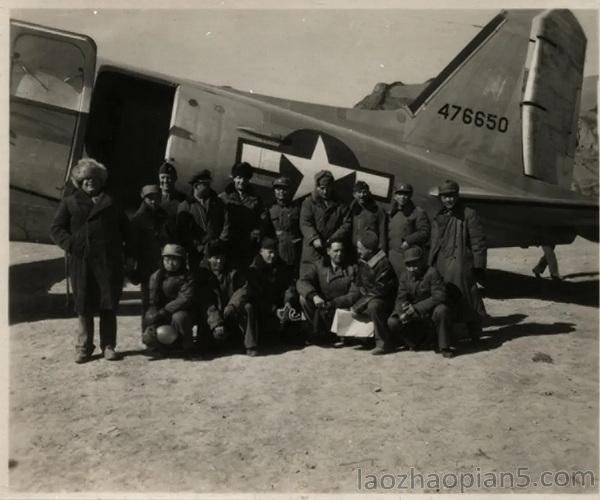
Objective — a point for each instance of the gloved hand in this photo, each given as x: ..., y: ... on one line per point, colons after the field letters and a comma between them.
x: 219, y: 332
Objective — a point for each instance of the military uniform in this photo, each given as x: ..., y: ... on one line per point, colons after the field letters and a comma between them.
x: 369, y: 217
x: 150, y: 231
x: 271, y: 287
x: 408, y: 224
x: 246, y: 221
x: 324, y: 220
x: 172, y: 301
x: 426, y: 293
x: 225, y: 303
x: 458, y: 248
x: 200, y: 222
x: 335, y: 286
x: 376, y: 283
x: 284, y: 223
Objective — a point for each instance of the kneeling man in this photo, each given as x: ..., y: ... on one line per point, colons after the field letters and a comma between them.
x: 420, y: 304
x: 225, y: 299
x: 171, y: 299
x: 376, y: 284
x: 324, y: 286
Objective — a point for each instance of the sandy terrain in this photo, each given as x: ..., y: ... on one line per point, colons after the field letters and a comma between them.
x: 306, y: 419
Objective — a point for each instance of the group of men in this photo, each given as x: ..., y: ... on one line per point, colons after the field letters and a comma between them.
x: 218, y: 268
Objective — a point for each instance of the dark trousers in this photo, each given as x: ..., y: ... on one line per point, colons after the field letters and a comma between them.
x: 415, y: 331
x: 84, y: 343
x: 320, y: 320
x: 145, y: 292
x: 244, y: 320
x: 181, y: 321
x: 378, y: 312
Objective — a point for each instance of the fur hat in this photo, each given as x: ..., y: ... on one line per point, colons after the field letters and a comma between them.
x: 167, y: 168
x: 242, y: 169
x: 88, y: 167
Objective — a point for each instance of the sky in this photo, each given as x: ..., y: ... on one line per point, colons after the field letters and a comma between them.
x: 322, y: 55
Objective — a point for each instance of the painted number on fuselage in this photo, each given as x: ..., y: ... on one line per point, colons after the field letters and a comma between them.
x: 479, y: 119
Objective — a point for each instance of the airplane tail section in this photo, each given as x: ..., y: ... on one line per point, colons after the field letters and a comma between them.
x: 510, y: 99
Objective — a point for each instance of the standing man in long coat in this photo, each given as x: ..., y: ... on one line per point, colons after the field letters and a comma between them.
x: 408, y: 226
x: 284, y: 218
x: 247, y: 215
x: 366, y: 216
x: 201, y: 219
x: 93, y: 231
x: 459, y: 253
x: 322, y: 218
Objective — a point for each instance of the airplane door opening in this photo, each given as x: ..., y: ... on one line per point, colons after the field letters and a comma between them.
x: 128, y: 131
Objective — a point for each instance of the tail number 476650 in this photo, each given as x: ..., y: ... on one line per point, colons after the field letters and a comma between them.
x: 476, y: 118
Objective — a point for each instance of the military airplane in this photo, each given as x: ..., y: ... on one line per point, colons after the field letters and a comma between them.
x: 500, y: 118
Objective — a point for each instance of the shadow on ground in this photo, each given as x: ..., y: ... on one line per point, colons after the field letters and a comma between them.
x: 507, y: 285
x: 493, y: 339
x: 29, y: 298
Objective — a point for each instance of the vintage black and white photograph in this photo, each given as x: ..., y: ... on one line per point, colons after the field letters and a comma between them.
x: 312, y: 249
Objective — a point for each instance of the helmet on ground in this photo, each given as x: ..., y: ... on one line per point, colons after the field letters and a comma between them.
x: 166, y: 334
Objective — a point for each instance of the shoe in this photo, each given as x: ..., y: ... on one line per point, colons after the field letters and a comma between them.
x: 110, y: 354
x: 252, y: 353
x: 447, y: 353
x: 536, y: 273
x: 556, y: 278
x: 380, y: 351
x: 82, y: 358
x: 339, y: 344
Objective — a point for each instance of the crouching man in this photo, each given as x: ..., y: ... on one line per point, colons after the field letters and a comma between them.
x: 420, y: 308
x: 272, y: 287
x: 171, y: 300
x: 225, y: 297
x: 377, y: 284
x: 326, y: 285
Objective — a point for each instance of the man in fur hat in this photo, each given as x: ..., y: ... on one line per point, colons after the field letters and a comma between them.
x: 246, y: 213
x: 94, y: 231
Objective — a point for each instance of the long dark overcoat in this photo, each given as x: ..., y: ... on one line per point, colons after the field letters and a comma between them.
x: 94, y: 237
x: 458, y: 246
x: 324, y: 220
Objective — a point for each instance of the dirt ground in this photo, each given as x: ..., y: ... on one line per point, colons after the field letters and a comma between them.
x: 311, y: 419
